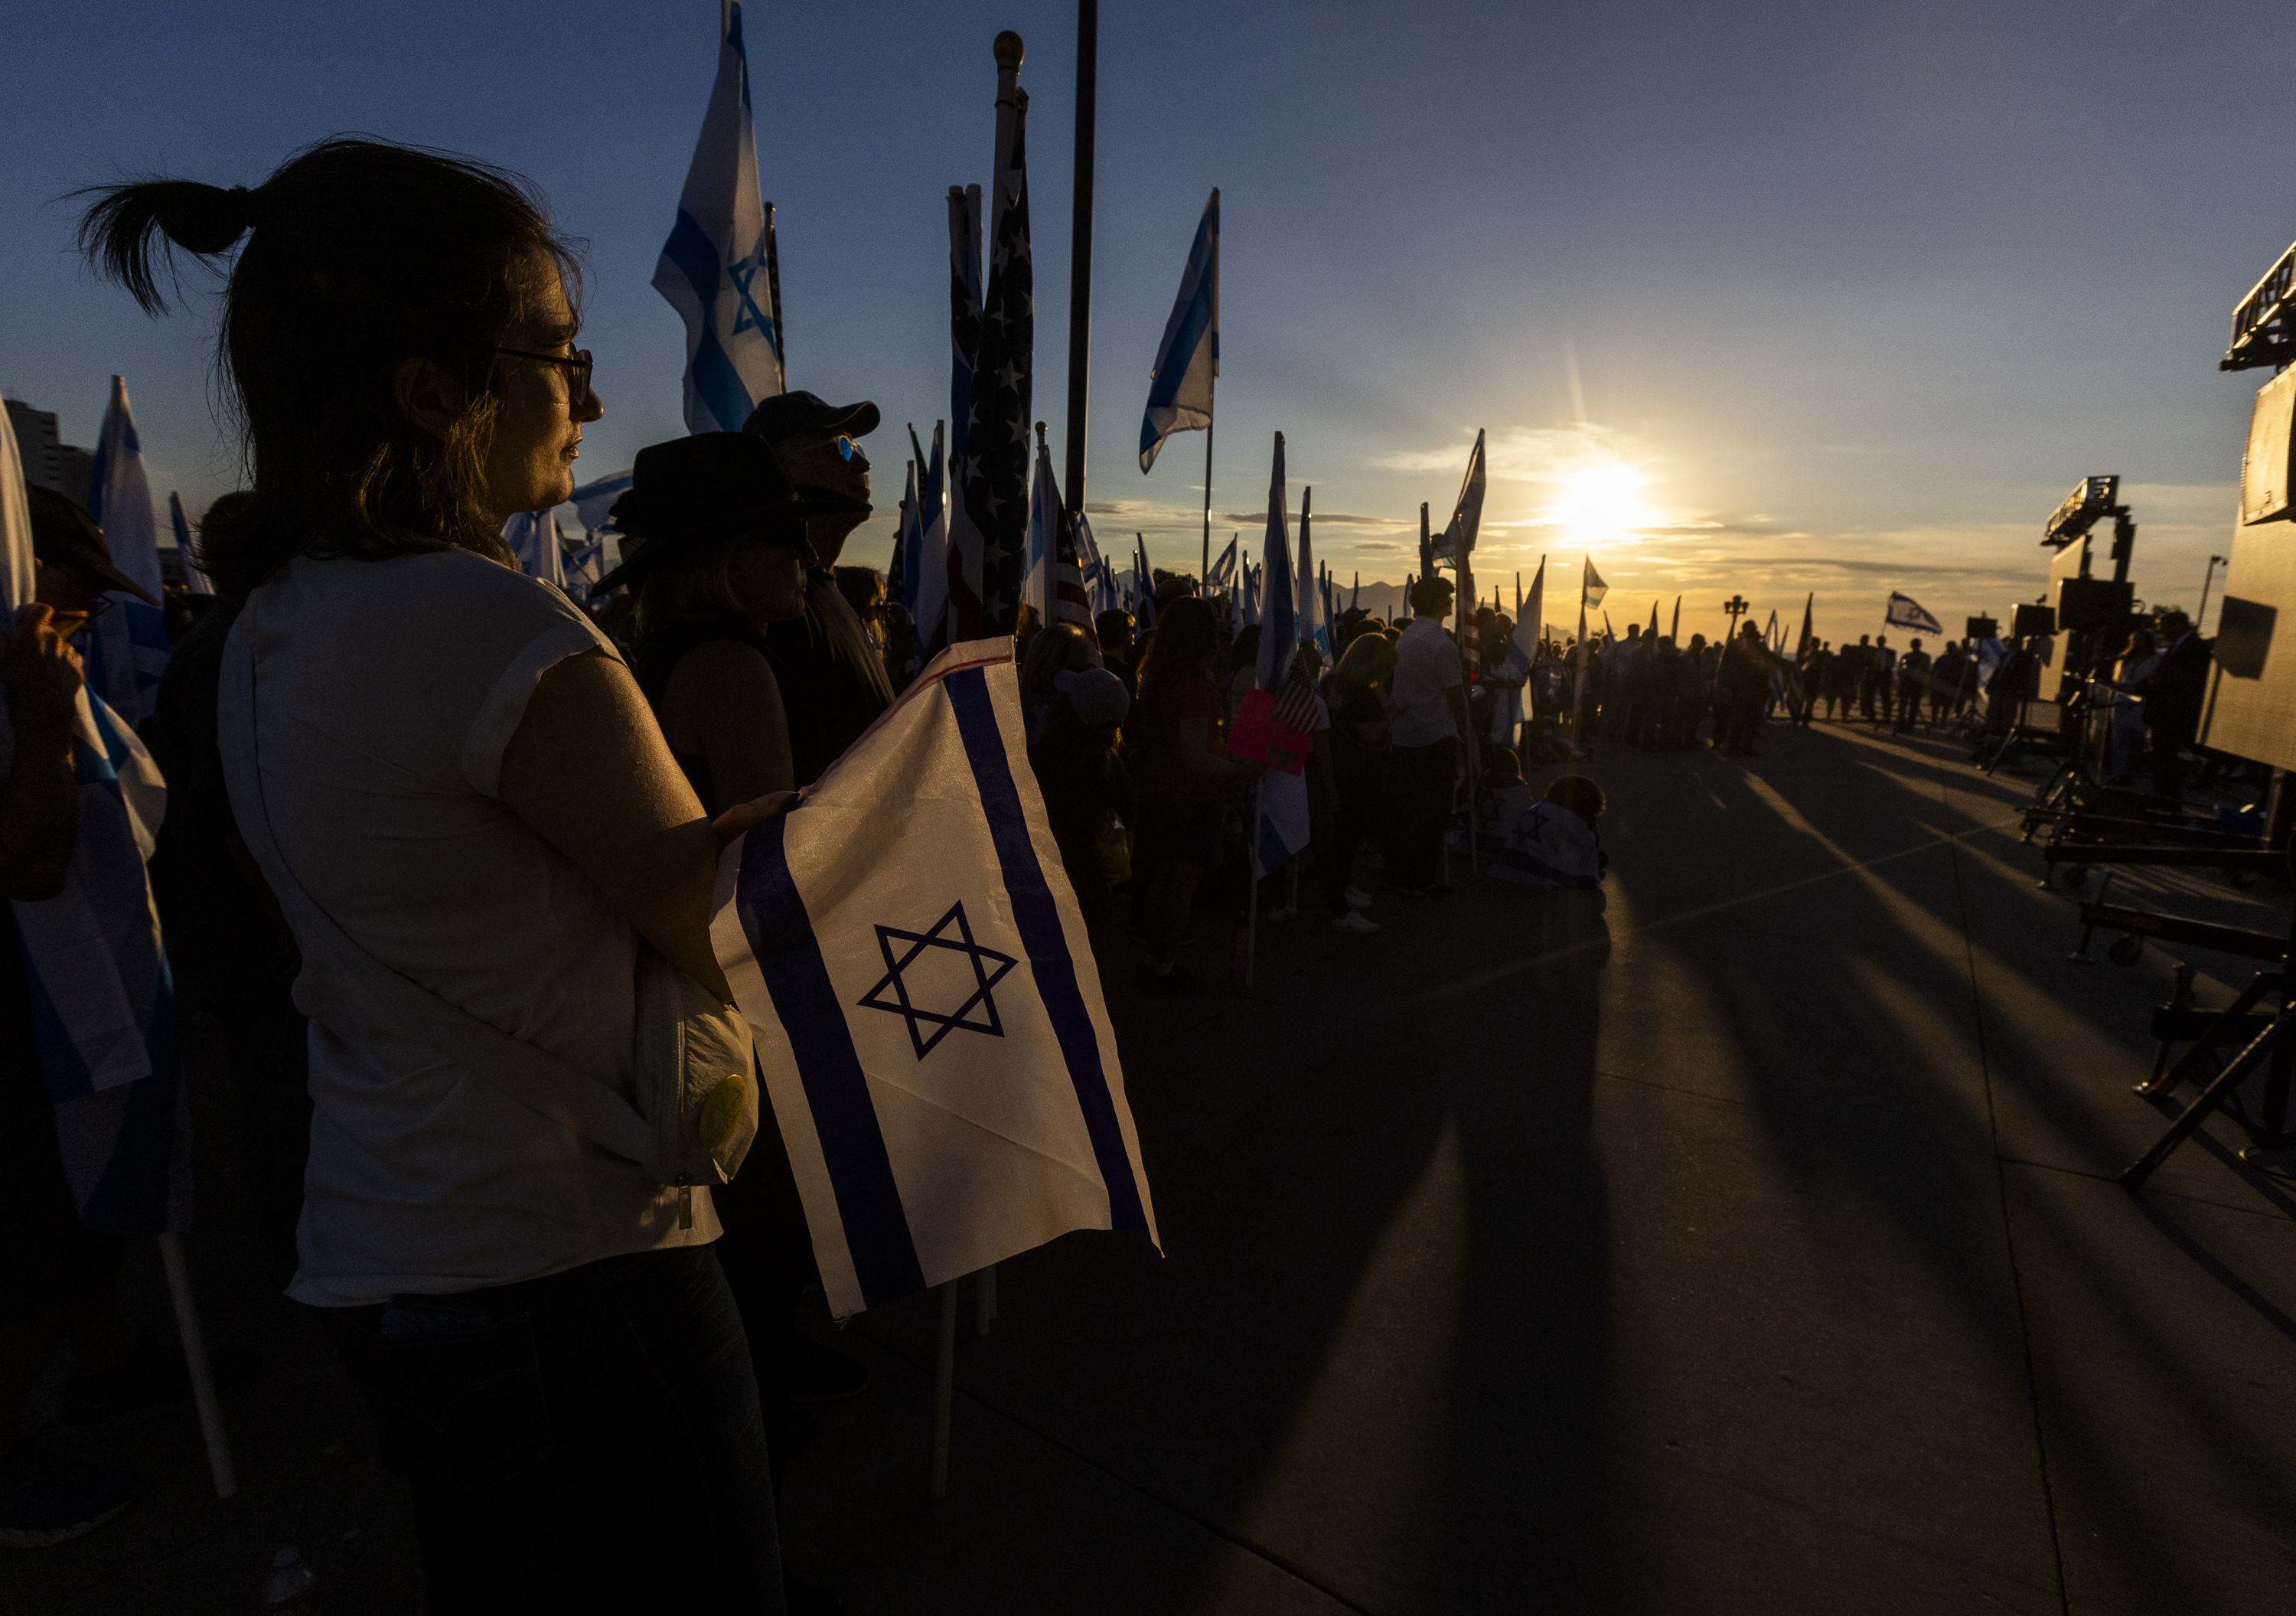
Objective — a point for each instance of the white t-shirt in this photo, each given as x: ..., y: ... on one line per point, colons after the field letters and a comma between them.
x: 1426, y: 671
x: 386, y: 691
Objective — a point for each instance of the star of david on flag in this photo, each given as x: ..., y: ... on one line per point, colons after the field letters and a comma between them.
x: 909, y: 956
x: 915, y: 945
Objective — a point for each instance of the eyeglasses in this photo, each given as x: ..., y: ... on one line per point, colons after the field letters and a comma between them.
x: 849, y: 451
x: 577, y: 366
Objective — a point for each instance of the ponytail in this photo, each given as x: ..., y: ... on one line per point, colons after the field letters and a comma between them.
x: 116, y: 232
x: 355, y: 257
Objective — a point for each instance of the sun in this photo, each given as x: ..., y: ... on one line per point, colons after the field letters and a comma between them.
x: 1601, y: 504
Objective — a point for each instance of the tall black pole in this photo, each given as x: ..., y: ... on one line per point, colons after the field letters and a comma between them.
x: 1080, y: 247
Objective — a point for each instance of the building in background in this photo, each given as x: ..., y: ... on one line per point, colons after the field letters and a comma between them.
x: 49, y: 463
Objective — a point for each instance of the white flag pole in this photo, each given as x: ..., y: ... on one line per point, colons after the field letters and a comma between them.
x: 195, y: 1360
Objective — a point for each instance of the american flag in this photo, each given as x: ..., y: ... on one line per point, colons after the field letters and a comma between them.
x: 996, y: 434
x: 1295, y: 708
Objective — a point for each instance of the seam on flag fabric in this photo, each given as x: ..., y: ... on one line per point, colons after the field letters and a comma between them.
x: 876, y: 1226
x: 1038, y: 920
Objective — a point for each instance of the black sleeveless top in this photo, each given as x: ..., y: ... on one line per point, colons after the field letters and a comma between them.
x: 658, y: 656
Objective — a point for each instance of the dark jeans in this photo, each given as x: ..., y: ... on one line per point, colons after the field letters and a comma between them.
x: 1420, y: 783
x: 589, y: 1440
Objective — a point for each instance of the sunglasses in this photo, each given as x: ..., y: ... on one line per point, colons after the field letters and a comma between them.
x: 577, y: 366
x: 849, y: 451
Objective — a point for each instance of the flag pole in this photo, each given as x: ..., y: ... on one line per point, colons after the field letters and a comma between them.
x: 1207, y: 571
x: 1081, y: 248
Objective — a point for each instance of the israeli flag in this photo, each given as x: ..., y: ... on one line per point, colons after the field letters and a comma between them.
x: 929, y: 1026
x: 1180, y: 382
x: 102, y: 1000
x: 1099, y: 577
x: 1904, y: 612
x: 1223, y: 571
x: 126, y: 650
x: 1458, y: 537
x: 533, y: 538
x: 1523, y: 650
x: 195, y: 579
x: 713, y: 268
x: 594, y: 504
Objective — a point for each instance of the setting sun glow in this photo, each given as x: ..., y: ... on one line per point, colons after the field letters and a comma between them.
x: 1601, y: 504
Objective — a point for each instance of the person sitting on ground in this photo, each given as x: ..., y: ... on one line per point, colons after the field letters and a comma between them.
x: 1192, y: 775
x: 447, y: 774
x: 1555, y: 841
x: 832, y: 675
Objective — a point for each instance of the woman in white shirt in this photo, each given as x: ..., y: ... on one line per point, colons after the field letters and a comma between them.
x: 447, y: 760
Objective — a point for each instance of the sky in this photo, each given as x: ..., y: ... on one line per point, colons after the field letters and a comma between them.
x: 1765, y: 298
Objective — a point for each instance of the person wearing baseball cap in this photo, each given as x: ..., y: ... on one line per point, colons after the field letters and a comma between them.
x: 832, y: 679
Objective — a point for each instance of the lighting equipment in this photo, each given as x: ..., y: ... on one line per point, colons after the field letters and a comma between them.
x: 2092, y: 497
x: 1981, y: 628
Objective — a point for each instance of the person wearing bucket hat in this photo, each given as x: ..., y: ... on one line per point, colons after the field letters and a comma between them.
x: 720, y: 558
x: 832, y: 679
x: 720, y: 555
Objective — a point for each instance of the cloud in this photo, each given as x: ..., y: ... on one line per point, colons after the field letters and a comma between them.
x: 1339, y: 518
x: 1529, y: 454
x: 1373, y: 543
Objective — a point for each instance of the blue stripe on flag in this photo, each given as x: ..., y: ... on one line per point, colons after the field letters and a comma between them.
x: 1038, y: 918
x: 852, y: 1146
x: 714, y: 377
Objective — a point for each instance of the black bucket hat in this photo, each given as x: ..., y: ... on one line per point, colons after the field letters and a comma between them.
x: 703, y: 490
x: 68, y: 539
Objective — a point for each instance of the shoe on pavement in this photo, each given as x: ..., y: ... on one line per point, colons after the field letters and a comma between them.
x: 1354, y: 922
x: 45, y: 1499
x: 1357, y: 897
x: 153, y: 1376
x: 1176, y: 983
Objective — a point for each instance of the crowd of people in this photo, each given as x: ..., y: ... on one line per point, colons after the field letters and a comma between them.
x: 431, y: 824
x: 399, y: 771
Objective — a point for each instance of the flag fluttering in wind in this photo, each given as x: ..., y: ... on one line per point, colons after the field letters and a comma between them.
x: 1100, y: 585
x: 1675, y: 630
x: 716, y: 269
x: 1250, y: 594
x: 1222, y: 575
x: 1143, y: 594
x: 1808, y: 606
x: 1188, y: 361
x: 1523, y: 650
x: 1906, y: 612
x: 126, y: 650
x: 930, y: 1027
x: 104, y: 1015
x: 1591, y: 586
x: 1458, y: 538
x: 996, y: 434
x: 196, y: 580
x: 1653, y: 630
x: 962, y: 587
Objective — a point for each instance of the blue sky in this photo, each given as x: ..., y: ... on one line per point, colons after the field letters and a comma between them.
x: 1854, y: 294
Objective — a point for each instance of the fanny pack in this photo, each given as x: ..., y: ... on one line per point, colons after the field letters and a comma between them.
x: 693, y: 1066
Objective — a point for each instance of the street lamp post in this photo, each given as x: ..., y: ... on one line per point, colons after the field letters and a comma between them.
x: 2207, y: 577
x: 1737, y: 607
